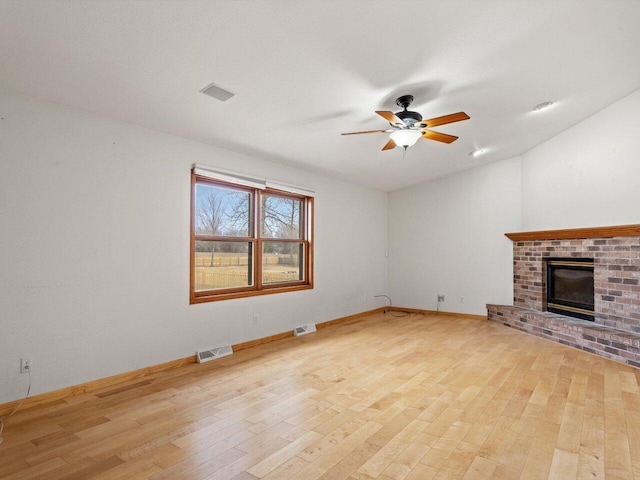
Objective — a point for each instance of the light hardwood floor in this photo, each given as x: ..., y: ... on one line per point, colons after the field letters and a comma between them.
x: 412, y: 398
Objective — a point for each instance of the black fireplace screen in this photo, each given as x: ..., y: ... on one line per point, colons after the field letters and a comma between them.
x: 570, y: 287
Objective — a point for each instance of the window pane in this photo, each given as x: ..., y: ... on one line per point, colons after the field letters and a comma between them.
x: 223, y: 265
x: 222, y: 211
x: 280, y: 217
x: 282, y: 262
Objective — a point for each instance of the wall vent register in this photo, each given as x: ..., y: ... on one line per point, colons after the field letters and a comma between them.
x: 303, y: 330
x: 212, y: 354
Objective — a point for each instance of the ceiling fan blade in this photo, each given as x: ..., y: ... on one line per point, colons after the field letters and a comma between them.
x: 389, y: 145
x: 391, y: 118
x: 368, y: 131
x: 454, y: 117
x: 438, y: 137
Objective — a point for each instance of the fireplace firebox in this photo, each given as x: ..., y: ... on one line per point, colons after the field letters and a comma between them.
x: 570, y: 287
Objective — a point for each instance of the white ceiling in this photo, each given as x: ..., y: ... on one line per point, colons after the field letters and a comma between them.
x: 305, y: 71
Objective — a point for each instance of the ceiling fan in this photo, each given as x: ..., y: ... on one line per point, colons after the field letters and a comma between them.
x: 407, y: 126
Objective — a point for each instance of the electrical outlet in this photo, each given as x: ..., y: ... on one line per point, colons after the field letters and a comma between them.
x: 461, y: 299
x: 255, y: 319
x: 25, y: 365
x: 440, y: 297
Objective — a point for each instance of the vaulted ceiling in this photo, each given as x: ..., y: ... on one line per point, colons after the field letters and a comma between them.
x: 305, y: 71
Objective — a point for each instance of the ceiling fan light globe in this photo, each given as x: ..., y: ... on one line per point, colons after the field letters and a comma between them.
x: 405, y: 138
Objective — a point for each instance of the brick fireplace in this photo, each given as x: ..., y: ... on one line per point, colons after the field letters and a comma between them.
x: 615, y: 331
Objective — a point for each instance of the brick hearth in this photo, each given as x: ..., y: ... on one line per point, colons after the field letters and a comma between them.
x: 615, y: 333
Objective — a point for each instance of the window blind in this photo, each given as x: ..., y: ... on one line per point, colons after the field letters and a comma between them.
x: 287, y: 187
x: 230, y: 177
x: 250, y: 181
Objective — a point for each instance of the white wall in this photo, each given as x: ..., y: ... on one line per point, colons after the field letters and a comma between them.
x: 94, y: 249
x: 447, y: 237
x: 588, y: 175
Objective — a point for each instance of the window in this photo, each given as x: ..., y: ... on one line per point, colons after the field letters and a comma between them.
x: 248, y: 240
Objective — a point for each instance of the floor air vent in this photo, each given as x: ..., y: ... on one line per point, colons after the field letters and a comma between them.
x: 214, y: 353
x: 304, y: 330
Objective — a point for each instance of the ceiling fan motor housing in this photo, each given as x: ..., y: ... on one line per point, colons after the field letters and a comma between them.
x: 407, y: 116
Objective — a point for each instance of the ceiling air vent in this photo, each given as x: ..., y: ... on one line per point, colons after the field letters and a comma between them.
x: 304, y: 330
x: 214, y: 353
x: 217, y: 92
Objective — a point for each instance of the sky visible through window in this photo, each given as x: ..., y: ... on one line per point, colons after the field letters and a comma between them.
x: 222, y: 211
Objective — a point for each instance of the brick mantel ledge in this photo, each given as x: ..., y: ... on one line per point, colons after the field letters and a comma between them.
x: 573, y: 233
